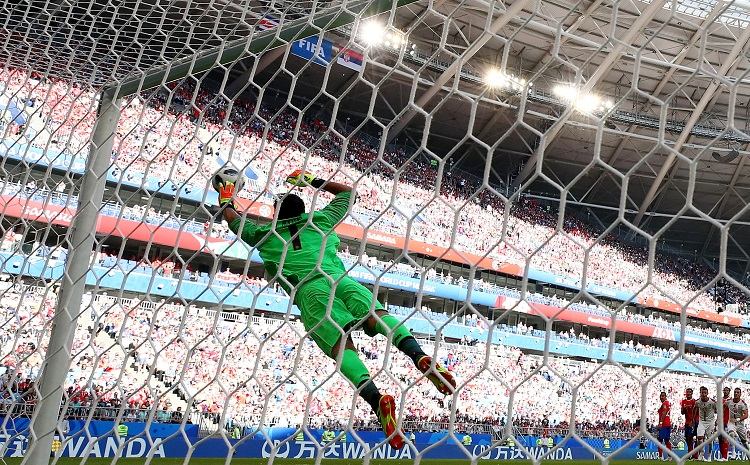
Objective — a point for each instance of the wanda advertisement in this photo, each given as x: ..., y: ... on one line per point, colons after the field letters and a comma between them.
x: 135, y: 230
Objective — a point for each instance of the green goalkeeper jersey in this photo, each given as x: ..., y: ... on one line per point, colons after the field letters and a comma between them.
x: 299, y: 256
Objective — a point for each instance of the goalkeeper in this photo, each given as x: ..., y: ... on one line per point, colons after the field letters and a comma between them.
x: 302, y: 248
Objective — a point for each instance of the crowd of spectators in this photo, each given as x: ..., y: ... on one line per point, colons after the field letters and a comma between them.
x: 252, y: 370
x: 25, y: 315
x: 168, y: 267
x: 184, y: 135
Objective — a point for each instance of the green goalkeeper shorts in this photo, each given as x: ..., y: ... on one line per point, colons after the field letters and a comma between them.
x: 349, y: 307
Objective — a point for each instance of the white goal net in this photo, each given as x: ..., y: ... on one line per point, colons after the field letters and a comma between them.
x: 523, y: 232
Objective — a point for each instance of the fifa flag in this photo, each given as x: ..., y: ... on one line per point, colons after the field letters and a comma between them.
x: 322, y: 53
x: 317, y: 51
x: 349, y: 58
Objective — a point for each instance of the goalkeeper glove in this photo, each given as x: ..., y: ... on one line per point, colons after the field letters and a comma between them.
x: 226, y: 195
x: 301, y: 178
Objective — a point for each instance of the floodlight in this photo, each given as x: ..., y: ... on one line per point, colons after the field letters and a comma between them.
x: 565, y: 92
x: 496, y: 79
x: 372, y: 33
x: 585, y: 102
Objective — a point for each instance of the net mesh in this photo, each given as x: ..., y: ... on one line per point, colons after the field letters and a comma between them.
x: 533, y: 182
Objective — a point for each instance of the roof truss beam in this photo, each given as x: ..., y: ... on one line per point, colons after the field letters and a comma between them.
x: 452, y: 71
x: 604, y: 67
x: 702, y: 104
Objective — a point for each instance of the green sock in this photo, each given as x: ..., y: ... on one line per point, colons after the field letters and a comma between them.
x: 402, y: 338
x: 391, y: 328
x: 370, y: 393
x: 353, y: 368
x: 355, y: 371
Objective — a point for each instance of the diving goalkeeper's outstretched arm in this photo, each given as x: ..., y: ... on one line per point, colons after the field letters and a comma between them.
x: 297, y: 178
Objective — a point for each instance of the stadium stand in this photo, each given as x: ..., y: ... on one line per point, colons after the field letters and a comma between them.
x: 200, y: 357
x: 191, y: 157
x: 182, y: 346
x: 170, y: 268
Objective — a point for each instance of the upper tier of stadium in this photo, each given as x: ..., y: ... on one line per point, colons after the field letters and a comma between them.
x: 155, y: 138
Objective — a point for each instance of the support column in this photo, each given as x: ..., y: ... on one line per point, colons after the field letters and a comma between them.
x: 80, y: 243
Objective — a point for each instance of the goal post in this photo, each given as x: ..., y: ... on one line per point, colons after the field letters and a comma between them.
x: 47, y: 413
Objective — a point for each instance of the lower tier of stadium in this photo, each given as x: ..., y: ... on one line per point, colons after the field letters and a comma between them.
x: 251, y: 371
x: 134, y: 278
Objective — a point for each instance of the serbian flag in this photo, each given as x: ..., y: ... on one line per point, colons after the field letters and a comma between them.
x: 351, y: 59
x: 267, y: 22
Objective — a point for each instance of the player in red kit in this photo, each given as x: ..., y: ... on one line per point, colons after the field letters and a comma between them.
x: 665, y: 425
x: 687, y: 407
x: 723, y: 441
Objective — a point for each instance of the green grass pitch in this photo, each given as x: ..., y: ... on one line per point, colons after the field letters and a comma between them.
x: 203, y: 461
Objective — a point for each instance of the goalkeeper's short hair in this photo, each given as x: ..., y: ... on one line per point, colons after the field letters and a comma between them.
x: 289, y: 205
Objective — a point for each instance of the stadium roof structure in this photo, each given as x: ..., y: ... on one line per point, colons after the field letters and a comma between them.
x: 668, y: 78
x: 105, y: 43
